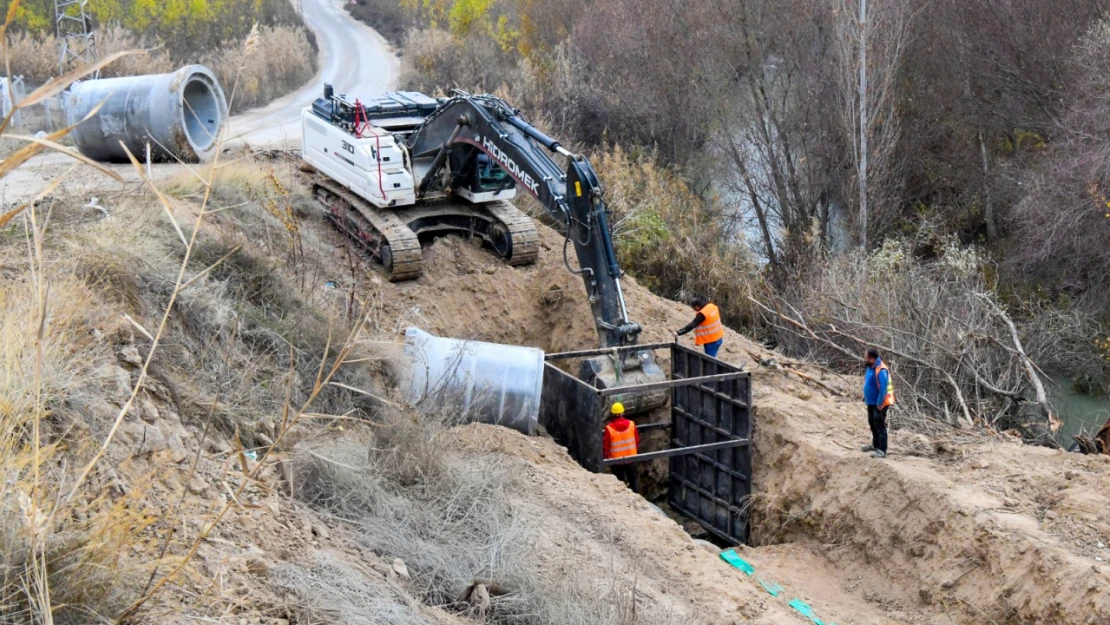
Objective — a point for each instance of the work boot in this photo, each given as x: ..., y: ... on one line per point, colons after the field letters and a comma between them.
x: 867, y: 448
x: 878, y: 454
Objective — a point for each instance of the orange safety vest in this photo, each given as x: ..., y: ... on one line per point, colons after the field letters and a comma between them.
x: 888, y: 399
x: 710, y: 330
x: 622, y: 444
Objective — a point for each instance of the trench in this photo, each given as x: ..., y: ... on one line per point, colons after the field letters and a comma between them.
x: 920, y: 539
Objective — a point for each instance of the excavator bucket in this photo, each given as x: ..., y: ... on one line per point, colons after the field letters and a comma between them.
x: 628, y: 368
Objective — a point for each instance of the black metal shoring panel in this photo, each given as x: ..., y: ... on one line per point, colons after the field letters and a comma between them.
x: 711, y: 487
x: 710, y: 456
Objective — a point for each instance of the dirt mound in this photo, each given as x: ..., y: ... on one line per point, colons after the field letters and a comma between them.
x: 594, y: 521
x: 466, y: 292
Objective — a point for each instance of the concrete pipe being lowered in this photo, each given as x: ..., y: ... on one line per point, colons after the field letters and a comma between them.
x: 179, y: 115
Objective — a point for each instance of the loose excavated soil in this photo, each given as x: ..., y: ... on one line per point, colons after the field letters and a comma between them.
x: 971, y: 529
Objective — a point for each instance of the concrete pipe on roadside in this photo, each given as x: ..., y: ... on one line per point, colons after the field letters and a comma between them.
x: 179, y: 115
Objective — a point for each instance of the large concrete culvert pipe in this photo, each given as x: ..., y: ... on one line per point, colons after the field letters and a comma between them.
x: 179, y: 115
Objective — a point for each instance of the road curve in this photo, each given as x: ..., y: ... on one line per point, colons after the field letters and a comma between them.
x: 353, y: 58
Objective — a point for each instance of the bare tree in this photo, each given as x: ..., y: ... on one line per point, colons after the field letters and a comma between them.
x: 1062, y: 223
x: 953, y: 349
x: 769, y: 147
x: 871, y: 38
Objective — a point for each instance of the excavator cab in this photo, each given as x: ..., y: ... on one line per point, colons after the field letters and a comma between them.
x: 478, y: 174
x: 489, y: 176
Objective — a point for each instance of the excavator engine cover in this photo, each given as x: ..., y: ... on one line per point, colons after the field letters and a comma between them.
x: 630, y: 369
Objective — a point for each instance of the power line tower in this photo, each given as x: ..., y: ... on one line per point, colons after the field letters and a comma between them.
x: 73, y: 26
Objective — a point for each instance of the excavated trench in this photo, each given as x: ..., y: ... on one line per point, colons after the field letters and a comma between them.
x: 924, y: 537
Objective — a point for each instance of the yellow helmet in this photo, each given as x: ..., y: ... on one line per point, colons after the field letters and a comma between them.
x: 618, y: 408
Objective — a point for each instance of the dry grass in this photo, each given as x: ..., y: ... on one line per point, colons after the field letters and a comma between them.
x: 75, y: 541
x: 114, y: 38
x: 234, y: 181
x: 59, y: 546
x: 65, y: 355
x: 284, y: 60
x: 446, y: 513
x: 41, y: 373
x: 35, y: 57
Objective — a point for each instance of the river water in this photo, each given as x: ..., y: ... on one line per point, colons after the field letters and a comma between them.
x: 1080, y: 412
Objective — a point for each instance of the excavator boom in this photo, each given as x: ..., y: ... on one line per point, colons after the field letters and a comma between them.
x: 465, y: 125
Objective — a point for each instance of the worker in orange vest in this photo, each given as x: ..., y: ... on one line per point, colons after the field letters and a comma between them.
x: 621, y: 440
x: 878, y: 394
x: 708, y: 331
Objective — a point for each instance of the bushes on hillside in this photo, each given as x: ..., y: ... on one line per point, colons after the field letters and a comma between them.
x: 387, y: 17
x: 673, y: 241
x: 436, y: 61
x: 182, y: 26
x: 35, y: 56
x: 283, y: 60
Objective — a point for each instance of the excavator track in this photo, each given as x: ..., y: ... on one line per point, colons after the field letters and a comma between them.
x: 393, y: 236
x: 382, y: 232
x: 522, y: 232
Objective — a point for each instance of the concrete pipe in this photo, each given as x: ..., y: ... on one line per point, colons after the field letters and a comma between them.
x: 498, y: 384
x: 179, y: 115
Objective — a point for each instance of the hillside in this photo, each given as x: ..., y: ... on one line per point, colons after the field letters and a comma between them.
x: 315, y: 498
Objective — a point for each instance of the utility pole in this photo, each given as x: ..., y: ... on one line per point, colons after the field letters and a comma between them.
x: 73, y: 28
x: 864, y: 122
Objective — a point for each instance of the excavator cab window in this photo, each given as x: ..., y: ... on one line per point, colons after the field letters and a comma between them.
x: 490, y: 175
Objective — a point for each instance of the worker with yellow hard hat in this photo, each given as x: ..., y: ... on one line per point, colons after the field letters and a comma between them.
x: 621, y: 440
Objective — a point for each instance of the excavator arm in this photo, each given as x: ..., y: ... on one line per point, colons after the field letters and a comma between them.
x: 445, y: 149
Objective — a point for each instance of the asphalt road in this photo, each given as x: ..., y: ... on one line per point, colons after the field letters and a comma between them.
x: 353, y: 58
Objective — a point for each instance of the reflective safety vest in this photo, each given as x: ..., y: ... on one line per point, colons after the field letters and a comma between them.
x: 710, y: 330
x: 888, y: 398
x: 622, y: 444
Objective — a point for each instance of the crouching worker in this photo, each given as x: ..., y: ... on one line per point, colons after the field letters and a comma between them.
x: 708, y: 331
x: 621, y: 440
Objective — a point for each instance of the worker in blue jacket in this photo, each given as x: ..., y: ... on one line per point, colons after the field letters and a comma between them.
x: 878, y: 394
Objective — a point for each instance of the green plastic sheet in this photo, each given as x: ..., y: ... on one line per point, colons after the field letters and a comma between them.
x: 770, y: 587
x: 736, y: 561
x: 803, y: 608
